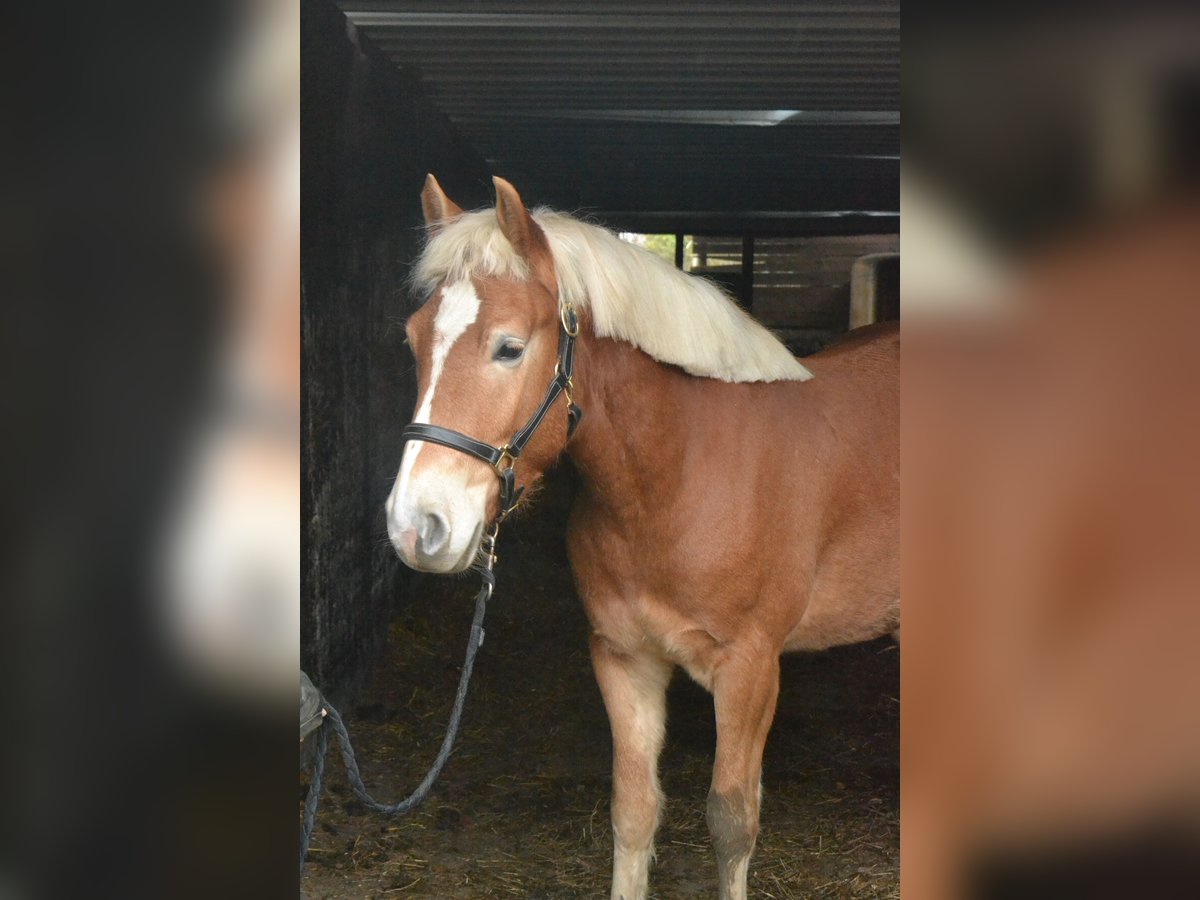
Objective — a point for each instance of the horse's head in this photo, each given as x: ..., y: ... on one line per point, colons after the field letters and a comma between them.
x: 485, y: 348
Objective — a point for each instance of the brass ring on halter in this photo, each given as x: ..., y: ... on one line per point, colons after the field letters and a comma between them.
x: 570, y: 321
x: 505, y: 456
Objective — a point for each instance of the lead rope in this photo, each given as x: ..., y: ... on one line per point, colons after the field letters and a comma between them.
x: 486, y: 568
x: 502, y: 460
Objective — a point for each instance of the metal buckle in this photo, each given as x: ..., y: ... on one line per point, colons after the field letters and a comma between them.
x: 569, y: 320
x: 487, y: 548
x: 506, y: 454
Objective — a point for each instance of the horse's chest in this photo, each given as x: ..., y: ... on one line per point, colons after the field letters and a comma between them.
x: 641, y: 624
x: 651, y: 592
x: 641, y: 615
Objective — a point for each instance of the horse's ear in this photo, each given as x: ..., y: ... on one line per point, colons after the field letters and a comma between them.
x: 516, y: 223
x: 438, y: 208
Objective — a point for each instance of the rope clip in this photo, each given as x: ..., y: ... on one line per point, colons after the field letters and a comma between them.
x: 487, y: 548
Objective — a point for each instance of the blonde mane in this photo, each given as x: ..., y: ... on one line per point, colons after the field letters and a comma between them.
x: 632, y: 295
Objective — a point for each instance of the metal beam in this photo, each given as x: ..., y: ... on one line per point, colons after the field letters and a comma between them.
x: 693, y: 21
x: 762, y: 223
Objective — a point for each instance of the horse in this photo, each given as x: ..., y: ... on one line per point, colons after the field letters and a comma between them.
x: 734, y: 503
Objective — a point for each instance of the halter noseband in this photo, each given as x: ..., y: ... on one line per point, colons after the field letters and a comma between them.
x: 503, y: 459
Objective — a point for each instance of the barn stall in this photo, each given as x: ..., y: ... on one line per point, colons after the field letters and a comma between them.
x: 758, y: 147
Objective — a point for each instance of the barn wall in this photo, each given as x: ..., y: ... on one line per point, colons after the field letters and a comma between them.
x: 801, y: 285
x: 804, y: 283
x: 369, y: 136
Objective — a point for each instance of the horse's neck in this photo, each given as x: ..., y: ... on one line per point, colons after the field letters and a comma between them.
x: 636, y: 412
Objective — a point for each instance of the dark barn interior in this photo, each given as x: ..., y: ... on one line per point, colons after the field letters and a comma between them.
x: 760, y: 145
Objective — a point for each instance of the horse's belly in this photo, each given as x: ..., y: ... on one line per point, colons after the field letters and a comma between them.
x: 847, y: 605
x: 820, y: 629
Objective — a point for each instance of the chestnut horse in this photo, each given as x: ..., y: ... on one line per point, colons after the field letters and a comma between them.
x: 735, y: 504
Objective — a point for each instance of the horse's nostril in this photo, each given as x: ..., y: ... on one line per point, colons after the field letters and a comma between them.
x: 432, y: 534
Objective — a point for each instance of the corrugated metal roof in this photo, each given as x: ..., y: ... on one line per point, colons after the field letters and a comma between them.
x: 780, y: 108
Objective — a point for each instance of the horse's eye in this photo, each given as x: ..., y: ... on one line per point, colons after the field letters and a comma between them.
x: 509, y: 351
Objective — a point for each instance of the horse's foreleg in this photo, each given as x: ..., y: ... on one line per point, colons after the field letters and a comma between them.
x: 634, y: 689
x: 745, y: 688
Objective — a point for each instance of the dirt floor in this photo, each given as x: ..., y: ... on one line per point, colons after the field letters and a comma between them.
x: 522, y: 807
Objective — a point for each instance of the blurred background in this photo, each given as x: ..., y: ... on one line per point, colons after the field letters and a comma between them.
x: 150, y: 574
x: 1051, y: 735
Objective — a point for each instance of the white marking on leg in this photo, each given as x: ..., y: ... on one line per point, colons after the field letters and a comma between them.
x: 644, y: 695
x: 631, y: 873
x: 737, y: 879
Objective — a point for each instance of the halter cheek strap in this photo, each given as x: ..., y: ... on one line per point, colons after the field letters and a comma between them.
x: 503, y: 459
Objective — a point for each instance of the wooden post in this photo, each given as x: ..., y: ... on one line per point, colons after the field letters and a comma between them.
x: 748, y: 271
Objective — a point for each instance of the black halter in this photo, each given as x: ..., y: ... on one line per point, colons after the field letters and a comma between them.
x: 502, y: 459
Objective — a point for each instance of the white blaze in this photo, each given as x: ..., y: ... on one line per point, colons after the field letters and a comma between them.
x: 458, y: 310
